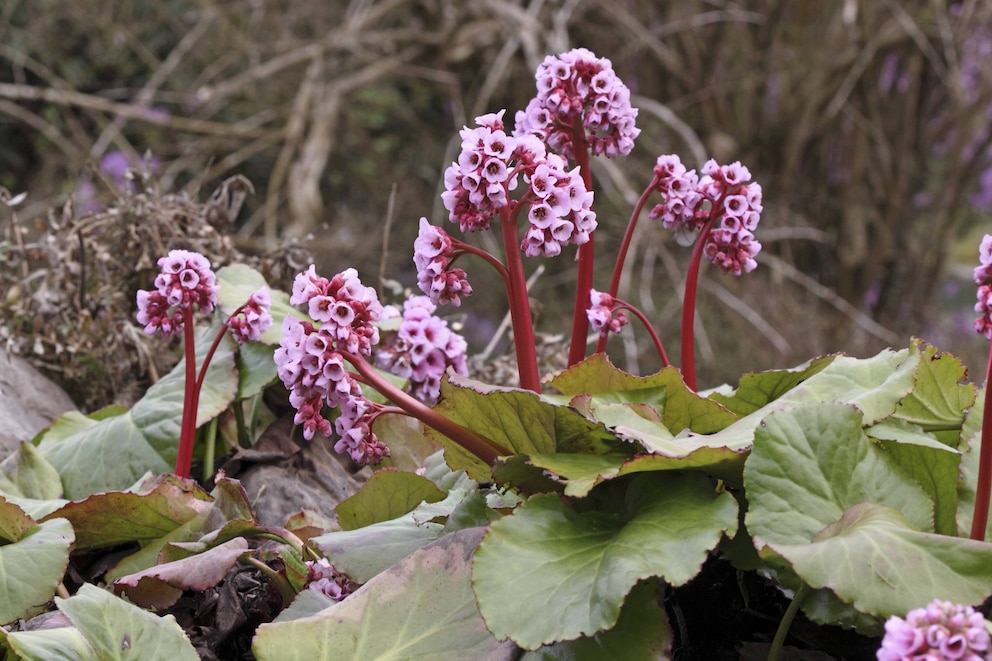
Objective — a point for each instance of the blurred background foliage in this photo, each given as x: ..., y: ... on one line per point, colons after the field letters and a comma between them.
x: 865, y: 121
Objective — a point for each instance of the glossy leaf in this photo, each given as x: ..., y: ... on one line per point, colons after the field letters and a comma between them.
x: 32, y: 567
x: 421, y: 608
x: 567, y: 572
x: 642, y: 632
x: 64, y: 644
x: 388, y: 494
x: 107, y: 519
x: 941, y: 397
x: 118, y: 630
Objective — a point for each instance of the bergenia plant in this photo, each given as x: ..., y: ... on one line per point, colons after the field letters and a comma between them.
x: 187, y: 281
x: 983, y: 325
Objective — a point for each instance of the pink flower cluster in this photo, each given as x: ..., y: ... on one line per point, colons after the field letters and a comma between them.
x: 601, y: 313
x: 579, y: 84
x: 433, y: 252
x: 690, y: 201
x: 478, y: 185
x: 942, y: 630
x: 186, y: 280
x: 252, y: 319
x: 322, y: 577
x: 310, y: 363
x: 983, y: 278
x: 422, y: 350
x: 562, y: 211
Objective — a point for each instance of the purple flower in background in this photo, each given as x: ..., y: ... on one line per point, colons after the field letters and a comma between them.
x: 422, y: 349
x: 941, y: 630
x: 578, y: 83
x: 115, y: 165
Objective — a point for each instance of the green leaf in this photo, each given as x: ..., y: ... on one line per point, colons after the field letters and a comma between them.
x: 932, y: 464
x: 388, y: 494
x: 550, y: 573
x: 26, y: 474
x: 758, y: 389
x: 810, y: 464
x: 580, y: 472
x: 350, y: 551
x: 876, y: 561
x: 940, y: 398
x: 665, y: 391
x: 13, y: 522
x: 421, y: 608
x: 813, y: 465
x: 144, y: 439
x: 161, y: 506
x: 642, y: 632
x: 238, y: 282
x: 32, y: 568
x: 519, y: 420
x: 64, y: 644
x: 118, y: 631
x: 256, y: 368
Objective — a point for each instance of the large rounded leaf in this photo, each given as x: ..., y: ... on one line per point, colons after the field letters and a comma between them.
x: 423, y: 608
x: 550, y: 573
x: 118, y: 631
x: 32, y: 567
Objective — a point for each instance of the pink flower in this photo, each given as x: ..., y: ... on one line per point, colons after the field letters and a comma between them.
x: 603, y: 315
x: 323, y: 577
x: 578, y: 82
x: 253, y: 319
x: 941, y: 630
x: 184, y: 281
x: 422, y: 349
x: 433, y: 252
x: 310, y: 363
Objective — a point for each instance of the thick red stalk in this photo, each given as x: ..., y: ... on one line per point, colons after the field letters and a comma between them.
x: 523, y: 325
x: 689, y: 304
x: 479, y: 445
x: 583, y: 279
x: 983, y: 489
x: 628, y: 236
x: 191, y: 399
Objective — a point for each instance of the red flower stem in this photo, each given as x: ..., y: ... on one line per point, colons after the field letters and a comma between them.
x: 466, y: 248
x: 483, y: 448
x: 583, y: 279
x: 520, y: 319
x: 628, y: 236
x: 191, y: 398
x: 623, y: 305
x: 689, y: 304
x: 213, y: 349
x: 979, y: 521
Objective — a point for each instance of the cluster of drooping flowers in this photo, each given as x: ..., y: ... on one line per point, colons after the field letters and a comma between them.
x: 252, y: 319
x: 323, y: 577
x: 433, y: 252
x: 310, y: 363
x: 422, y: 349
x: 941, y: 630
x: 602, y: 315
x: 722, y: 193
x: 562, y: 213
x: 579, y: 85
x: 477, y: 187
x: 185, y: 280
x: 983, y: 278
